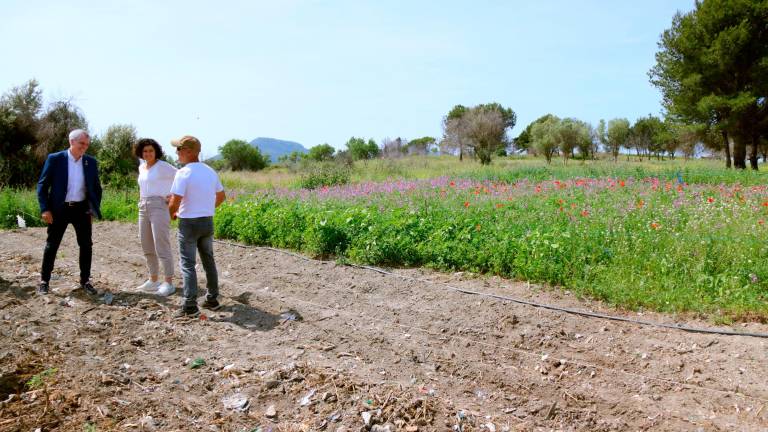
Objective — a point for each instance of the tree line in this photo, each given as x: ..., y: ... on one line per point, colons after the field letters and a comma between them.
x: 29, y: 132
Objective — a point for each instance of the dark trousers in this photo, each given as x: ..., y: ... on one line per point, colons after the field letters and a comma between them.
x: 196, y: 234
x: 79, y: 216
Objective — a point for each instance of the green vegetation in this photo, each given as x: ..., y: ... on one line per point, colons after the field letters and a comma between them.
x: 115, y: 205
x: 39, y: 380
x: 239, y: 155
x: 321, y: 152
x: 679, y: 236
x: 324, y: 174
x: 711, y: 69
x: 117, y: 163
x: 506, y: 168
x: 359, y: 149
x: 197, y: 363
x: 479, y: 131
x: 668, y: 236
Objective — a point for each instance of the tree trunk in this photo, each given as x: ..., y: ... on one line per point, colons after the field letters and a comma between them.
x: 753, y: 152
x: 727, y: 148
x: 739, y: 153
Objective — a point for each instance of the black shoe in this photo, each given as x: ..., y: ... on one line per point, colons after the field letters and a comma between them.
x: 43, y: 288
x: 89, y: 289
x: 186, y: 314
x: 211, y: 304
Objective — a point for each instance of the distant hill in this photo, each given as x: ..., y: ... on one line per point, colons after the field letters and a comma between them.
x: 276, y: 148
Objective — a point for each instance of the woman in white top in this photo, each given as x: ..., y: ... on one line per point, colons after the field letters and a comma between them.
x: 155, y: 180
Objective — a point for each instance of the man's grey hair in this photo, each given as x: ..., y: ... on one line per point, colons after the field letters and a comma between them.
x: 77, y: 134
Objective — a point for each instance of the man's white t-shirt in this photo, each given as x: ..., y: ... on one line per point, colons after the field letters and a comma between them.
x: 197, y: 184
x: 155, y: 180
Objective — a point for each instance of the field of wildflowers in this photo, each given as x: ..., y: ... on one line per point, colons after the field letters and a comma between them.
x: 670, y: 236
x: 640, y: 243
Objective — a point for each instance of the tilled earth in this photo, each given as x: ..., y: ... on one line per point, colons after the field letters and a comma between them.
x: 306, y: 345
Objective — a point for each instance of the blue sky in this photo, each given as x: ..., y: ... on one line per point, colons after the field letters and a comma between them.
x: 323, y: 71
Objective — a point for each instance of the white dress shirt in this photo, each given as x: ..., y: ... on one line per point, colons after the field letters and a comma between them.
x: 75, y: 179
x: 155, y: 180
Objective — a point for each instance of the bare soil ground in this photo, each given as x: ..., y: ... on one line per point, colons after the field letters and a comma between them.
x: 310, y: 345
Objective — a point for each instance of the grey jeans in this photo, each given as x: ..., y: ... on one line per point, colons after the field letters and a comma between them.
x: 155, y: 234
x: 196, y: 234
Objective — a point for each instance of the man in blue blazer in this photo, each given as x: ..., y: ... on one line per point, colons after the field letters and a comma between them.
x: 69, y: 192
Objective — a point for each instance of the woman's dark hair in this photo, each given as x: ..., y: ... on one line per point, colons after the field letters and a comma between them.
x: 143, y: 142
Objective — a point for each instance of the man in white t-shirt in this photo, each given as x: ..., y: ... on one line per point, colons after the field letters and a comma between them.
x: 195, y: 194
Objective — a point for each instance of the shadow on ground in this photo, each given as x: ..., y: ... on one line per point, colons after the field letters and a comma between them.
x: 13, y: 289
x: 246, y: 316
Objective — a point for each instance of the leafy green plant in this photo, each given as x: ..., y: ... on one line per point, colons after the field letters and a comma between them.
x: 640, y: 243
x: 197, y: 363
x: 39, y: 380
x: 324, y: 174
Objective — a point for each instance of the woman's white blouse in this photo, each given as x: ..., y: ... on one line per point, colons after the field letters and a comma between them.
x: 157, y: 180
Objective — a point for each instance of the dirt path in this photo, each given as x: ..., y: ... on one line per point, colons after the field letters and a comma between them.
x: 402, y: 354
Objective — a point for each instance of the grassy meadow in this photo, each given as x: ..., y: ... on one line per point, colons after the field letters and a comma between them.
x: 673, y: 236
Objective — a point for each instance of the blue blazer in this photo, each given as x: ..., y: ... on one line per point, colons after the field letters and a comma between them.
x: 52, y: 186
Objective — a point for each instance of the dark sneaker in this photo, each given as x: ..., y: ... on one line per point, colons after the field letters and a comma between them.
x: 211, y: 304
x: 89, y: 289
x: 186, y: 314
x: 43, y: 288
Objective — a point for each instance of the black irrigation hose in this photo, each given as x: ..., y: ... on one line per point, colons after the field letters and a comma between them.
x: 579, y: 312
x: 530, y: 303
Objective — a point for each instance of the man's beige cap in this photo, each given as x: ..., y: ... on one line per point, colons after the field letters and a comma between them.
x: 187, y: 141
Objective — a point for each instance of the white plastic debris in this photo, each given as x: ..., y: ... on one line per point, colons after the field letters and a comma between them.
x: 367, y: 417
x: 237, y: 402
x: 307, y: 398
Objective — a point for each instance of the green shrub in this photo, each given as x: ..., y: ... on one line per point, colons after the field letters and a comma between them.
x: 118, y: 205
x: 324, y: 174
x: 18, y: 202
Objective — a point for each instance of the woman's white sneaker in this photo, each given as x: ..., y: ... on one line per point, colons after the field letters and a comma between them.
x: 149, y: 286
x: 165, y: 289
